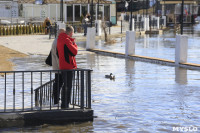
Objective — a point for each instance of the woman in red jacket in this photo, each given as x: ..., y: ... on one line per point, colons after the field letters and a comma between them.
x: 67, y: 50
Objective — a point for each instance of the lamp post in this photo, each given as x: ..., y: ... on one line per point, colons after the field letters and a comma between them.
x: 92, y: 13
x: 131, y: 16
x: 61, y: 10
x: 131, y: 2
x: 143, y: 8
x: 146, y: 7
x: 98, y: 11
x: 182, y: 6
x: 164, y: 9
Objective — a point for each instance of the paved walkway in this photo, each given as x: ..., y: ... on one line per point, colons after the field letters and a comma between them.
x: 41, y: 44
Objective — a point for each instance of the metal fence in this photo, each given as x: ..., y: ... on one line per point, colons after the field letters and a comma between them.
x: 22, y: 91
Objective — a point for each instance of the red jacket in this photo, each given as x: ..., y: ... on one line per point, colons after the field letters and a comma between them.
x: 67, y: 50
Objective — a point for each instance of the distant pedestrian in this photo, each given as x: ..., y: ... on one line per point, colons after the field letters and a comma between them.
x: 67, y: 50
x: 55, y: 64
x: 85, y: 22
x: 47, y: 24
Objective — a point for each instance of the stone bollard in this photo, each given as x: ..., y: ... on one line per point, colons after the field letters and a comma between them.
x: 130, y: 43
x: 98, y: 26
x: 181, y: 49
x: 90, y: 42
x: 158, y: 22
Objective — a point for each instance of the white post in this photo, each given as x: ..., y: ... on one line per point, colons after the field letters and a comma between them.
x: 158, y: 23
x: 61, y: 25
x: 164, y: 17
x: 133, y: 24
x: 147, y: 23
x: 130, y: 43
x: 98, y: 26
x: 181, y: 49
x: 90, y: 42
x: 138, y: 16
x: 144, y: 20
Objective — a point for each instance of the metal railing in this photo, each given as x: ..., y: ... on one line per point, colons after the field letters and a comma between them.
x: 22, y: 91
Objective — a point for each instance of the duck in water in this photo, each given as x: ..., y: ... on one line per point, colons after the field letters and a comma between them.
x: 111, y: 76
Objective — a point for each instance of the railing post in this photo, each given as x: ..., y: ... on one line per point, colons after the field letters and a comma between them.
x: 89, y: 89
x: 14, y: 92
x: 5, y: 95
x: 82, y: 89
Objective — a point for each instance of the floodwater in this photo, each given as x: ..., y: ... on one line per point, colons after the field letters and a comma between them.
x: 160, y: 46
x: 144, y: 97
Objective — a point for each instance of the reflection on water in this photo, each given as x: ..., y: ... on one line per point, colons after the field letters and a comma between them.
x: 181, y: 75
x: 159, y: 46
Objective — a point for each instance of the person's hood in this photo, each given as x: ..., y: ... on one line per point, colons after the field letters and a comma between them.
x: 63, y: 36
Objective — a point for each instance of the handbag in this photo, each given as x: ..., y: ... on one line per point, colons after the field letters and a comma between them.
x: 48, y: 60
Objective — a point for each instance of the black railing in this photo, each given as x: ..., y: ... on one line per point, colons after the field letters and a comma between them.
x: 22, y: 91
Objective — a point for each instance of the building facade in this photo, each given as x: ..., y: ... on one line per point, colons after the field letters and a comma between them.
x: 73, y: 11
x: 8, y: 9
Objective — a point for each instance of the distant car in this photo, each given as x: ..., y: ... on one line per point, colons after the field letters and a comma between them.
x: 5, y: 22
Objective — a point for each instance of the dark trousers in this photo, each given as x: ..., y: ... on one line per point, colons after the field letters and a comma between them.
x: 57, y: 86
x: 85, y: 29
x: 66, y: 89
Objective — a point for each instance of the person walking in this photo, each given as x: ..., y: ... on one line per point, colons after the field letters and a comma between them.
x: 67, y: 50
x: 55, y: 64
x: 47, y: 24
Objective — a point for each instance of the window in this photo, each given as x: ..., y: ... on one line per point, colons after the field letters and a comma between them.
x: 77, y: 12
x: 69, y: 13
x: 84, y: 10
x: 107, y: 13
x: 38, y: 1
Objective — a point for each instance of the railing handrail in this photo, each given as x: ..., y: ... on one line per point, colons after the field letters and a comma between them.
x: 78, y: 69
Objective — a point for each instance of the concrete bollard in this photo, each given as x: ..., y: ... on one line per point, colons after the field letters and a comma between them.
x: 61, y: 25
x: 181, y: 49
x: 164, y: 17
x: 90, y: 42
x: 130, y: 43
x: 147, y: 24
x: 133, y: 24
x: 138, y: 16
x: 98, y: 26
x: 158, y: 22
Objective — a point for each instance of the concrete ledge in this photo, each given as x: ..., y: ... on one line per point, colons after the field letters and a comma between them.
x: 147, y: 59
x: 21, y: 119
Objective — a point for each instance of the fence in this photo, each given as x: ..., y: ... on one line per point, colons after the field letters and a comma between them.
x: 22, y: 91
x: 21, y: 29
x: 139, y: 23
